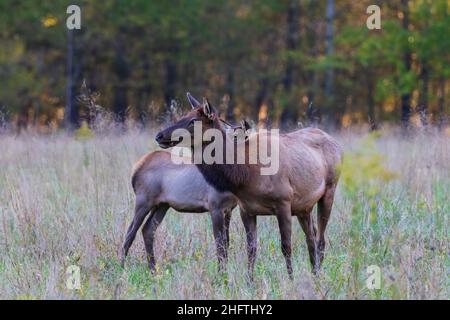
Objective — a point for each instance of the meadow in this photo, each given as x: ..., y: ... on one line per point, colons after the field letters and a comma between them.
x: 67, y: 200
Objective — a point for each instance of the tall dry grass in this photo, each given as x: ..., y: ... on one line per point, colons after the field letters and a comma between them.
x: 66, y: 201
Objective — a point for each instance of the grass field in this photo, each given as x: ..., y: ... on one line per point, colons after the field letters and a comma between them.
x: 66, y: 201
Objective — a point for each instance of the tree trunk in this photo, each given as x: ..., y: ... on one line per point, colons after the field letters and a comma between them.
x: 264, y: 84
x: 289, y: 115
x: 425, y: 79
x: 311, y: 114
x: 121, y: 89
x: 144, y: 93
x: 23, y: 120
x: 71, y: 112
x: 407, y: 60
x: 329, y: 80
x: 229, y: 89
x: 442, y: 120
x: 423, y: 103
x: 171, y: 78
x: 371, y: 102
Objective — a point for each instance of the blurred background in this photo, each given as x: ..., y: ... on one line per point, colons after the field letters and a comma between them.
x: 279, y: 63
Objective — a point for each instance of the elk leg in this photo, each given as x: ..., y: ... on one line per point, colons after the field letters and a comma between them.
x: 220, y: 238
x: 227, y: 229
x: 323, y: 214
x: 142, y: 208
x: 251, y: 233
x: 310, y: 233
x: 148, y: 233
x: 284, y: 217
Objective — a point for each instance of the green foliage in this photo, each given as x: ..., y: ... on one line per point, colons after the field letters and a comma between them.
x: 380, y: 55
x: 363, y: 169
x: 363, y: 176
x: 84, y: 132
x: 219, y: 47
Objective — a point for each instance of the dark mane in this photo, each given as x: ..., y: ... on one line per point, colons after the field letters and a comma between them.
x: 225, y: 177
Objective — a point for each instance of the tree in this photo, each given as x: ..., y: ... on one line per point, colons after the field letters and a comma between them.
x: 290, y: 108
x: 329, y: 80
x: 407, y: 61
x: 270, y: 59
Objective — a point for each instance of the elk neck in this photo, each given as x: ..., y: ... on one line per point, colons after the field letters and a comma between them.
x: 224, y: 176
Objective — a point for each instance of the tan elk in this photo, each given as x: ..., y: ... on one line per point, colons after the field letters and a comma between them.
x: 160, y: 184
x: 307, y: 175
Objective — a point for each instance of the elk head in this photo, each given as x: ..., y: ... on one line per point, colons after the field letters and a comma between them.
x: 201, y: 113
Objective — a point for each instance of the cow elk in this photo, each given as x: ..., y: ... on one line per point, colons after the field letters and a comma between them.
x: 307, y: 175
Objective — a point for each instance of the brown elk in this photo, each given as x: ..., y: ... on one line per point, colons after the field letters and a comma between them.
x: 307, y: 175
x: 159, y: 184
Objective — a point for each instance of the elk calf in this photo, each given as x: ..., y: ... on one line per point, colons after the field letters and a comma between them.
x: 308, y: 174
x: 159, y: 184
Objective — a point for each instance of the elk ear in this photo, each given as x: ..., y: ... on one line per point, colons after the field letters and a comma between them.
x: 208, y: 110
x: 194, y: 102
x: 245, y: 125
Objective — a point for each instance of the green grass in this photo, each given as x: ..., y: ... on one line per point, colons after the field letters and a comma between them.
x: 65, y: 201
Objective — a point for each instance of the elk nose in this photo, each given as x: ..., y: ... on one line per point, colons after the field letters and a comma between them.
x: 158, y: 136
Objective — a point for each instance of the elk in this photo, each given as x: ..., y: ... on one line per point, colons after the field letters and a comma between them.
x: 308, y: 174
x: 160, y: 184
